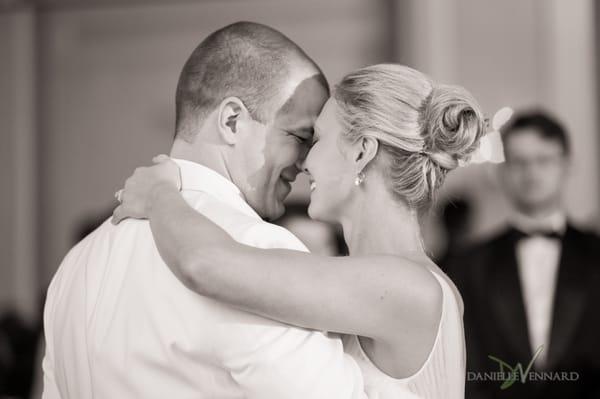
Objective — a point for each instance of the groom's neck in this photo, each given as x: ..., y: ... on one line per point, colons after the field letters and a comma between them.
x: 205, y: 154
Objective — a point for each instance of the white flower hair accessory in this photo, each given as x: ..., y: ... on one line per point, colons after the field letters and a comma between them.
x: 490, y: 145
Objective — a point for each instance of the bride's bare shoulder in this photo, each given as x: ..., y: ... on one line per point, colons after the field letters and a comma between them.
x: 413, y: 318
x: 415, y: 294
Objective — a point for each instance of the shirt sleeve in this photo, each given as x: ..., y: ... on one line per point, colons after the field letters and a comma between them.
x: 284, y: 362
x: 274, y: 360
x: 267, y: 235
x: 50, y: 386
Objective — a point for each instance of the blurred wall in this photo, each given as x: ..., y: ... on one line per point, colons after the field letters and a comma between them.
x: 524, y: 54
x: 18, y: 199
x: 88, y: 92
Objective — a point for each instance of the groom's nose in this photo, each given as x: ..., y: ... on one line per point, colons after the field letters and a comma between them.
x: 300, y: 163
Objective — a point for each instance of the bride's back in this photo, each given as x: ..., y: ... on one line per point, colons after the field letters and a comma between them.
x: 442, y: 375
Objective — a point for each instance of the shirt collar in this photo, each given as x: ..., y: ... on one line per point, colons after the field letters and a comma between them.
x: 196, y: 177
x: 554, y: 222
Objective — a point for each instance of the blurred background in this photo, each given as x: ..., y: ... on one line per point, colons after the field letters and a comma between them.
x: 87, y: 94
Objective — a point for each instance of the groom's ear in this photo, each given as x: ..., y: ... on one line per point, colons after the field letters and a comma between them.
x: 231, y: 112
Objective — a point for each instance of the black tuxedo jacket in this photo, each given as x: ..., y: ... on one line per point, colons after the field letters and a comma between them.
x: 495, y: 321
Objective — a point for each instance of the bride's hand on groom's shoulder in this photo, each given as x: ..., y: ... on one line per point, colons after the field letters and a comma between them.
x: 137, y: 194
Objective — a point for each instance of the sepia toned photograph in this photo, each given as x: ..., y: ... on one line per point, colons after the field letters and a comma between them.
x: 277, y: 199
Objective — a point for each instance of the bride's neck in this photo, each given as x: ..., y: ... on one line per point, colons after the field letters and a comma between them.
x: 378, y: 223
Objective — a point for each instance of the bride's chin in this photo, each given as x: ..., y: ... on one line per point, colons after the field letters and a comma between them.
x: 312, y: 210
x: 315, y: 212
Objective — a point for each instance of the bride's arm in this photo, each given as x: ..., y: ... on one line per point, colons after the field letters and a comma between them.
x: 369, y: 296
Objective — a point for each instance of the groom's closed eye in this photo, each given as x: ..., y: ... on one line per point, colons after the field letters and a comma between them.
x: 303, y: 136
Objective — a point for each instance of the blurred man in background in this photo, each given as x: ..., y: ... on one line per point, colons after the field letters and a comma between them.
x: 531, y: 292
x: 456, y: 223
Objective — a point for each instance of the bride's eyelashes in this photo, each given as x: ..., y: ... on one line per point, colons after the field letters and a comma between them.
x: 314, y: 139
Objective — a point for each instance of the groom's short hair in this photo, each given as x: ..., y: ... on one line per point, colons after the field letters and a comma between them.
x: 246, y: 60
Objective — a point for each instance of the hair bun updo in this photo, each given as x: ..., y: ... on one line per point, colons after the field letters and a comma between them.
x: 452, y: 125
x: 423, y: 129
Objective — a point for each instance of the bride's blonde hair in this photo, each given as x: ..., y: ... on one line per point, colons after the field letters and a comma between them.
x: 424, y: 129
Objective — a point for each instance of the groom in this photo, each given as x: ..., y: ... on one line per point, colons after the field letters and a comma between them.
x: 118, y: 324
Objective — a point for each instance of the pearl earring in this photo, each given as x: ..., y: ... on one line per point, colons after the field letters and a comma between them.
x: 360, y: 177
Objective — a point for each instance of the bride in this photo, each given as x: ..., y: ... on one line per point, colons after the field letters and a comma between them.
x: 382, y: 147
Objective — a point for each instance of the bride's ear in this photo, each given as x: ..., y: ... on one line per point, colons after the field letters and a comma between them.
x: 231, y: 113
x: 365, y: 150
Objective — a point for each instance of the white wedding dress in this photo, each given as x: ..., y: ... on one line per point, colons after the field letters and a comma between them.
x: 442, y: 376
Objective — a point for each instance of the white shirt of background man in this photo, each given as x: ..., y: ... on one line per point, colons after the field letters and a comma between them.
x: 538, y: 258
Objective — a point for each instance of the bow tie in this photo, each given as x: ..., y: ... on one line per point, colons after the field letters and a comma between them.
x: 551, y: 234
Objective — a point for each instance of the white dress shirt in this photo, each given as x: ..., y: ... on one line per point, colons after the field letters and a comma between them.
x: 119, y: 325
x: 538, y: 259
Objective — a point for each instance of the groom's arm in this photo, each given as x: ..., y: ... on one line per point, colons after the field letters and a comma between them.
x: 286, y: 363
x: 274, y: 360
x: 50, y: 386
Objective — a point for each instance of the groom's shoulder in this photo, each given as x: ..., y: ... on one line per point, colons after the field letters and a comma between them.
x: 107, y: 238
x: 242, y: 223
x: 262, y: 234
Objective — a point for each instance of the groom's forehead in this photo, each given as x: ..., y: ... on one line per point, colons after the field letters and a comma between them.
x: 306, y: 100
